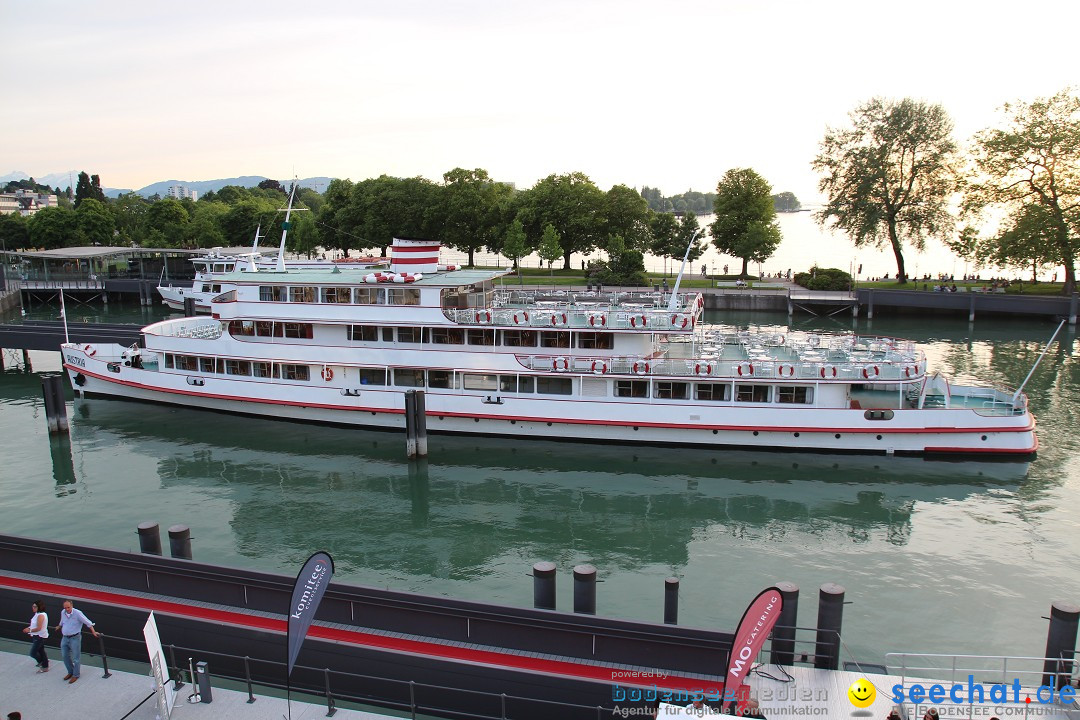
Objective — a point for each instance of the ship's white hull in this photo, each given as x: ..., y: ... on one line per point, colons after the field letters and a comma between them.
x: 944, y: 430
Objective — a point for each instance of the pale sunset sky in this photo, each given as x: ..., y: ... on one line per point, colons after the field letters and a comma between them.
x: 667, y: 94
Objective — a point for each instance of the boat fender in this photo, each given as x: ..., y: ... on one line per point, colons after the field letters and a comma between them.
x: 327, y: 374
x: 522, y: 317
x: 641, y: 368
x: 560, y: 364
x: 828, y: 371
x: 703, y: 369
x: 746, y: 369
x: 599, y: 367
x: 80, y: 379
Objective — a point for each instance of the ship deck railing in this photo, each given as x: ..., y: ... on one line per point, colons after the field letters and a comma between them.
x: 746, y: 368
x: 984, y: 670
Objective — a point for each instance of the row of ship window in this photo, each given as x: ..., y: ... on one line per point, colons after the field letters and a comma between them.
x: 542, y: 384
x: 339, y: 295
x: 433, y: 336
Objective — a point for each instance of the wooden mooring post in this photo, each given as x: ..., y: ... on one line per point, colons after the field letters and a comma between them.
x: 416, y: 444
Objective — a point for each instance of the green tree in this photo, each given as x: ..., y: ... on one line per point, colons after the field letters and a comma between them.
x: 129, y: 218
x: 570, y: 203
x: 469, y: 212
x: 1031, y: 169
x: 514, y: 246
x: 663, y: 231
x: 204, y: 230
x: 88, y: 188
x: 628, y: 215
x: 889, y: 177
x: 745, y: 225
x: 14, y: 233
x: 786, y: 202
x: 52, y: 228
x: 269, y: 184
x: 95, y: 223
x: 169, y: 218
x: 550, y: 248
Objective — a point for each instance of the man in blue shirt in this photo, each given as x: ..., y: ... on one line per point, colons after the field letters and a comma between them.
x: 71, y: 626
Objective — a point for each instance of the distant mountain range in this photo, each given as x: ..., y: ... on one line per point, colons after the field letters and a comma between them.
x: 63, y: 180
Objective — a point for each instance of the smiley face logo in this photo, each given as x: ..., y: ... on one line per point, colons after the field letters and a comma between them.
x: 861, y: 693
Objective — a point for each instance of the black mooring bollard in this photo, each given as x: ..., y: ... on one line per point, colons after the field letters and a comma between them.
x: 420, y: 422
x: 783, y: 634
x: 180, y: 541
x: 149, y: 538
x: 52, y: 388
x: 544, y: 585
x: 830, y: 620
x: 410, y: 423
x: 671, y: 601
x: 585, y: 589
x: 189, y: 307
x: 1060, y: 644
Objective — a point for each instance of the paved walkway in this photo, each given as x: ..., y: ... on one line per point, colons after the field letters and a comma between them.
x: 129, y: 695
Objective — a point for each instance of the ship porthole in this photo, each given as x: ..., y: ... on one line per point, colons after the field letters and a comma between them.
x: 755, y: 433
x: 549, y: 424
x: 513, y: 422
x: 80, y: 379
x: 715, y: 432
x: 878, y: 437
x: 984, y: 438
x: 476, y: 419
x: 837, y: 436
x: 796, y: 434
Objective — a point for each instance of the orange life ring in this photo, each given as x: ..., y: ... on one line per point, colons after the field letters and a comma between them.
x: 523, y: 317
x: 601, y: 317
x: 748, y: 371
x: 675, y: 322
x: 483, y: 316
x: 866, y: 371
x: 556, y: 317
x: 703, y: 369
x: 634, y: 319
x: 327, y: 374
x: 641, y: 368
x: 790, y: 372
x: 560, y: 364
x: 825, y: 370
x: 599, y: 367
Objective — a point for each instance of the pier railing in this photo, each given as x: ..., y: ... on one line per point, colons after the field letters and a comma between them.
x: 258, y: 677
x: 983, y: 669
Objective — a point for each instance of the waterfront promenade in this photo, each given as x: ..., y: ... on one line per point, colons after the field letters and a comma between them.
x: 129, y: 694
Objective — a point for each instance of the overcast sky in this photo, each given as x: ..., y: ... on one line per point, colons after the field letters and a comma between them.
x: 668, y: 94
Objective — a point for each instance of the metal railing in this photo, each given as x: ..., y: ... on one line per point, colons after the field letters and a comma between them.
x: 257, y: 677
x: 981, y: 669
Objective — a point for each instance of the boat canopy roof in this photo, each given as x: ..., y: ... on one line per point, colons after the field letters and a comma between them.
x: 334, y: 276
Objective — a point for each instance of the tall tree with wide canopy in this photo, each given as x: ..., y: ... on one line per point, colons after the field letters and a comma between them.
x: 570, y: 203
x: 889, y: 176
x: 745, y: 225
x: 671, y: 236
x: 470, y: 212
x: 53, y: 227
x: 95, y: 223
x: 628, y: 216
x: 1031, y: 169
x: 88, y: 188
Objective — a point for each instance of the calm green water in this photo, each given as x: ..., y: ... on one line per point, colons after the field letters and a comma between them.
x: 936, y: 556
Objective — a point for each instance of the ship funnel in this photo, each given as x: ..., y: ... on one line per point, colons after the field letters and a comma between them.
x: 414, y: 256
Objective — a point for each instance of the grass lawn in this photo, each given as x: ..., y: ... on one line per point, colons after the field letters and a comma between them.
x: 1043, y: 288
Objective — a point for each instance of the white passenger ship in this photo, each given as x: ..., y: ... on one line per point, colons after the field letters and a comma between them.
x: 344, y: 347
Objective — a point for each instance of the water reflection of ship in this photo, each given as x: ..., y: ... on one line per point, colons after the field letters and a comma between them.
x: 483, y: 496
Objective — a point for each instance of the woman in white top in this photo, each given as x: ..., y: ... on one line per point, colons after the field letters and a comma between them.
x: 38, y: 632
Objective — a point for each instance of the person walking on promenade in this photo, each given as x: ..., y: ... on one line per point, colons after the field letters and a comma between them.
x: 71, y: 626
x: 38, y: 632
